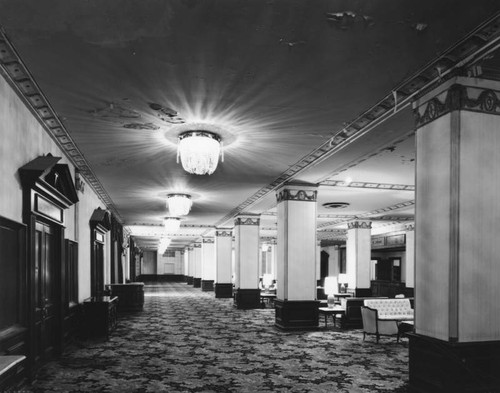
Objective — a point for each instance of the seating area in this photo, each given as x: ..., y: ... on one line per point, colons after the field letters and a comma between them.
x: 386, y: 317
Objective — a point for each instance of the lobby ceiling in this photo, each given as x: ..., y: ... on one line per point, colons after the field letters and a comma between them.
x: 292, y: 86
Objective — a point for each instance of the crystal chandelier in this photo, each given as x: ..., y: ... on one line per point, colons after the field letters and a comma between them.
x: 199, y: 151
x: 172, y: 224
x: 179, y: 204
x: 164, y: 243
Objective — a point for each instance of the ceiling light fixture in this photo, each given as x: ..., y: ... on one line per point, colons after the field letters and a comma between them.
x: 163, y: 245
x: 172, y: 224
x: 179, y: 204
x: 199, y: 151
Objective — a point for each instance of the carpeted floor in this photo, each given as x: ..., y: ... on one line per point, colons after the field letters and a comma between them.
x: 185, y: 340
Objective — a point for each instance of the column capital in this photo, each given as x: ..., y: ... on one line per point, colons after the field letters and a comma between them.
x: 208, y: 240
x: 459, y: 93
x: 223, y: 232
x: 306, y: 192
x: 410, y: 227
x: 359, y: 224
x: 247, y: 219
x: 197, y: 245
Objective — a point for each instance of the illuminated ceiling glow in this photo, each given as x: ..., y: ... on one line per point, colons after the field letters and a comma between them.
x: 199, y: 151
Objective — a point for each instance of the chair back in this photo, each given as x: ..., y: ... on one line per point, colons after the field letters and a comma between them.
x: 369, y: 316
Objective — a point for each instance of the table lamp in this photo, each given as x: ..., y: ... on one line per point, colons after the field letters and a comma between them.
x: 330, y: 287
x: 267, y: 281
x: 343, y: 281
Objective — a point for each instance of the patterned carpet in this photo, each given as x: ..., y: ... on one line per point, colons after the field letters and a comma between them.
x: 185, y: 340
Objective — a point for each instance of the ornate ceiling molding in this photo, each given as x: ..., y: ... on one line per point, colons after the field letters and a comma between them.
x: 397, y: 206
x: 371, y: 186
x: 17, y: 75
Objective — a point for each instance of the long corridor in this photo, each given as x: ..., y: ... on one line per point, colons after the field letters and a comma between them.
x: 186, y: 340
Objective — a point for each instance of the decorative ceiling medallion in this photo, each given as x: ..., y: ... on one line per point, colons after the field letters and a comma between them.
x: 114, y: 111
x: 166, y: 114
x: 336, y: 205
x: 141, y: 126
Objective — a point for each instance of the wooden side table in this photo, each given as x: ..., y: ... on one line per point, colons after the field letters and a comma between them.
x: 333, y: 311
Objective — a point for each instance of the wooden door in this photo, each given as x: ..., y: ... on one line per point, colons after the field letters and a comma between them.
x: 97, y: 284
x: 46, y: 292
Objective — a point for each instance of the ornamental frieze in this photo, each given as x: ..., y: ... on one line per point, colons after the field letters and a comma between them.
x: 410, y: 227
x: 223, y: 233
x: 359, y: 225
x: 208, y: 240
x: 246, y: 221
x: 458, y: 97
x: 296, y: 195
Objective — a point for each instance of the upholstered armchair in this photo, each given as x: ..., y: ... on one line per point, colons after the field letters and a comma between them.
x: 372, y: 325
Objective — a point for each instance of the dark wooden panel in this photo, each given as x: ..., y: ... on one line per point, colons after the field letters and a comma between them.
x: 247, y: 298
x: 223, y: 290
x: 207, y: 285
x: 441, y: 366
x: 296, y: 315
x: 130, y: 296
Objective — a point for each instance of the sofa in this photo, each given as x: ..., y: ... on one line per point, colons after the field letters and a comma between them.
x: 352, y: 317
x: 394, y: 309
x: 386, y: 317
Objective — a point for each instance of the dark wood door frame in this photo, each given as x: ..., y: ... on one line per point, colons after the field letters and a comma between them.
x: 100, y: 223
x: 48, y: 189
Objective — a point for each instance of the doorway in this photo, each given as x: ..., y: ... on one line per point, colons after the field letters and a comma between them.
x: 46, y: 292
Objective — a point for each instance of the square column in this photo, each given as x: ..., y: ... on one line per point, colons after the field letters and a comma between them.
x: 190, y: 259
x: 185, y: 254
x: 223, y: 258
x: 246, y: 234
x: 197, y: 259
x: 410, y: 260
x: 456, y: 344
x: 358, y: 257
x: 208, y: 264
x: 296, y: 305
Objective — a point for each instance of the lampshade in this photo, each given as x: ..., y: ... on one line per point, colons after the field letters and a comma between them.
x: 172, y: 224
x: 343, y: 278
x: 331, y: 286
x: 267, y: 280
x: 179, y: 204
x: 199, y: 151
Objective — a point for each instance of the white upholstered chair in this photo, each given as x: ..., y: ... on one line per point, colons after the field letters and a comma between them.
x: 372, y: 325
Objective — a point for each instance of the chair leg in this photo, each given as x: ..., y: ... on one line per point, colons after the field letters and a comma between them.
x: 378, y: 337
